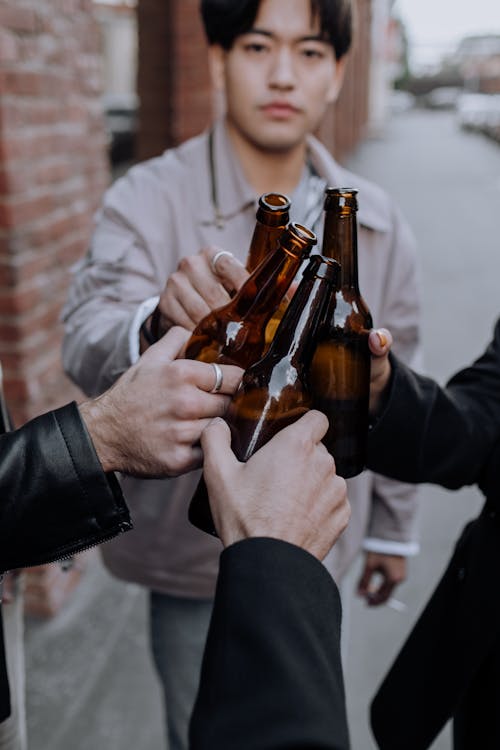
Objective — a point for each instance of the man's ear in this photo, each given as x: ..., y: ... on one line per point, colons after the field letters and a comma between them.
x: 338, y: 80
x: 217, y: 65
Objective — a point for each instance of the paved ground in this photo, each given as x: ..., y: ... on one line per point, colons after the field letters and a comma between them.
x: 91, y: 685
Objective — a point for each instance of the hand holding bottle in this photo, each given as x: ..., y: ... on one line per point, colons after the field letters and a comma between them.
x: 150, y: 421
x: 199, y: 286
x: 287, y: 490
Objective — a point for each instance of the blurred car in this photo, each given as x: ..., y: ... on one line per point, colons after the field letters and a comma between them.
x: 121, y: 116
x: 480, y: 112
x: 443, y: 97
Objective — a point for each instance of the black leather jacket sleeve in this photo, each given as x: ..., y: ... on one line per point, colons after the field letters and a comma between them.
x: 448, y: 436
x: 271, y: 676
x: 55, y: 499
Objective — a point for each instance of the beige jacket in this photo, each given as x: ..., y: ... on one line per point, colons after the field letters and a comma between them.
x: 159, y: 212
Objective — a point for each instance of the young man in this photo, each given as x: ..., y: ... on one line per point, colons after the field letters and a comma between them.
x: 278, y: 64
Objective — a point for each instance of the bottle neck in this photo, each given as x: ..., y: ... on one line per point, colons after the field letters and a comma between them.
x: 298, y: 332
x: 265, y: 239
x: 340, y: 242
x: 262, y: 292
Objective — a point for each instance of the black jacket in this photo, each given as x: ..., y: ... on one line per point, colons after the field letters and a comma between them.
x: 55, y: 499
x: 450, y: 664
x: 271, y: 676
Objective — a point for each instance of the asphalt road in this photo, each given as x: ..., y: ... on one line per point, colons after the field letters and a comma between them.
x: 91, y: 685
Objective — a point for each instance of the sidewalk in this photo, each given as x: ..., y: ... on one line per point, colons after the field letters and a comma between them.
x: 91, y: 684
x: 447, y: 183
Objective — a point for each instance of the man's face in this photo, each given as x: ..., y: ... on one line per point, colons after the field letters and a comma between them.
x: 279, y: 77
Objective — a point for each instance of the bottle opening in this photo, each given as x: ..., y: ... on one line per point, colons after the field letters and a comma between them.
x: 275, y: 202
x: 303, y: 232
x: 341, y: 198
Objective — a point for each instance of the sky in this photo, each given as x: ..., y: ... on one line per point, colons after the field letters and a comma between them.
x: 435, y: 27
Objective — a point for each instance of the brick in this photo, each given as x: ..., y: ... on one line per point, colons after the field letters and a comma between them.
x: 22, y: 212
x: 9, y: 47
x: 18, y: 19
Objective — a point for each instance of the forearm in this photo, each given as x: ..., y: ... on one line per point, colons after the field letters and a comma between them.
x: 430, y: 434
x: 60, y: 502
x: 272, y: 659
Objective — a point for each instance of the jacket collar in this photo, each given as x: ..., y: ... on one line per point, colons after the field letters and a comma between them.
x: 372, y: 212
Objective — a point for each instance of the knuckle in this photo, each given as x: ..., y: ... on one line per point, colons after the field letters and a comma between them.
x: 173, y: 283
x: 185, y: 406
x: 187, y: 263
x: 183, y: 370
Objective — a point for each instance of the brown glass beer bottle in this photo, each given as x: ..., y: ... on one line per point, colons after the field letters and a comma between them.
x: 235, y: 333
x: 340, y: 373
x: 271, y: 220
x: 275, y: 391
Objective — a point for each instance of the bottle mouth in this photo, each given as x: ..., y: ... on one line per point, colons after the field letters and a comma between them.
x: 341, y: 198
x: 303, y: 232
x: 275, y: 202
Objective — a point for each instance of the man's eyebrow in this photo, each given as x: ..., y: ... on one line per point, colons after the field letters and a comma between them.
x: 307, y: 38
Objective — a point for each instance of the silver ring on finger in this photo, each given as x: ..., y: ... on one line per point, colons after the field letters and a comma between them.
x: 219, y: 377
x: 213, y: 262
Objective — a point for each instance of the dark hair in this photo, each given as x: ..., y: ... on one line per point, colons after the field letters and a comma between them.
x: 224, y: 20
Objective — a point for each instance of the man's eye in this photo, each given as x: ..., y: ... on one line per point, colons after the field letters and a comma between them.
x: 312, y: 52
x: 255, y: 47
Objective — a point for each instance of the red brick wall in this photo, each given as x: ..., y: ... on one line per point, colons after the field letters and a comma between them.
x: 53, y: 169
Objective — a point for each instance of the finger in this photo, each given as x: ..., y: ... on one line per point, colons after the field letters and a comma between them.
x: 365, y: 581
x: 190, y: 293
x: 170, y: 345
x: 197, y: 272
x: 229, y: 270
x: 313, y: 424
x: 382, y: 594
x: 204, y: 376
x: 173, y: 310
x: 380, y: 341
x: 218, y: 458
x: 194, y: 461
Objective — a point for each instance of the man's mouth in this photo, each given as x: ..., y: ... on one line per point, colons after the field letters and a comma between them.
x: 280, y: 110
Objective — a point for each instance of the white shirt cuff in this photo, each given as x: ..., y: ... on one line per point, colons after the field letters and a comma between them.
x: 142, y: 313
x: 388, y: 547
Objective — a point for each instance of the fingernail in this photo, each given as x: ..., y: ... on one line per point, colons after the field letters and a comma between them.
x: 382, y: 339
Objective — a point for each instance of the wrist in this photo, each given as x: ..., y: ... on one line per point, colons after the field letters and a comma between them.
x: 93, y: 416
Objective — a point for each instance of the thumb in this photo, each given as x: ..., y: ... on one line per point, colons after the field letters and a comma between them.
x: 380, y: 342
x: 218, y: 458
x: 365, y: 580
x: 170, y: 345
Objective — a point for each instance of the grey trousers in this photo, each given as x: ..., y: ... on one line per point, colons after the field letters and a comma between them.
x: 178, y: 629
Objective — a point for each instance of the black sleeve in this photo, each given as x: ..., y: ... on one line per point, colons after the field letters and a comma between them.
x: 271, y: 675
x: 443, y: 435
x: 55, y: 499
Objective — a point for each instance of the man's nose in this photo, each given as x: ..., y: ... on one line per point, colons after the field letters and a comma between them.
x: 282, y: 74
